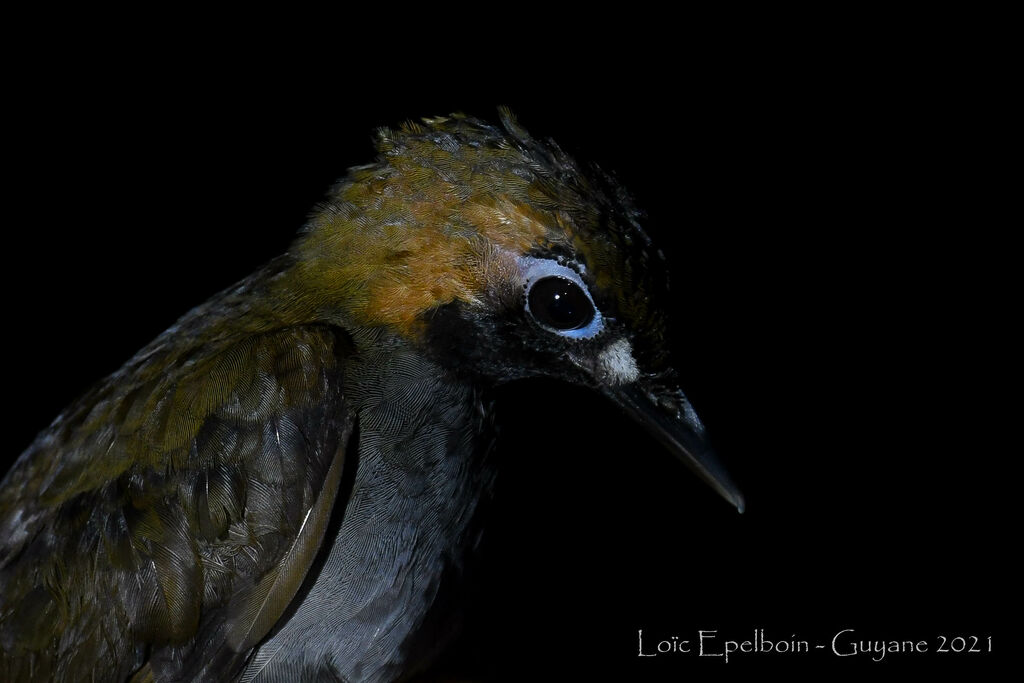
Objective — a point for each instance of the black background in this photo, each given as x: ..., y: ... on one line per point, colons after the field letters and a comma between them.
x: 829, y: 210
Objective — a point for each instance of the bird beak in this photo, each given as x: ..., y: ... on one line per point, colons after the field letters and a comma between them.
x: 669, y: 417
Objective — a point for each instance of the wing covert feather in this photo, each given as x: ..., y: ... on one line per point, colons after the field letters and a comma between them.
x: 174, y: 510
x: 255, y: 611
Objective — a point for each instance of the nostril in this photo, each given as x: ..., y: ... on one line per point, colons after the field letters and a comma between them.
x: 667, y: 405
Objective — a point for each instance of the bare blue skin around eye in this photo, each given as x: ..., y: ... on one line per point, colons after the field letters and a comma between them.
x: 534, y: 269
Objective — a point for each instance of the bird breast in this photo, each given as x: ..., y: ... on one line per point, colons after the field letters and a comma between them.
x: 409, y: 519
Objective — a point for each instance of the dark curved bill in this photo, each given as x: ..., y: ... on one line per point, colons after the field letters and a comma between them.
x: 669, y: 417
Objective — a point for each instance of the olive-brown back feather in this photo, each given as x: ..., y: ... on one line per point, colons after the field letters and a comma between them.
x: 173, y: 512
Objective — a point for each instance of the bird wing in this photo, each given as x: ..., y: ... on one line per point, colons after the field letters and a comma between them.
x: 170, y: 516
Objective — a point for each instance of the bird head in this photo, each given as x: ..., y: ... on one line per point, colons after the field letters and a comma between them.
x: 500, y: 257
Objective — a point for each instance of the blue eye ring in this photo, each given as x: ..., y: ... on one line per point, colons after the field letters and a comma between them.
x: 536, y: 270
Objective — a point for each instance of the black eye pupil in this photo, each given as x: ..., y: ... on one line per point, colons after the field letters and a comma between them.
x: 560, y: 303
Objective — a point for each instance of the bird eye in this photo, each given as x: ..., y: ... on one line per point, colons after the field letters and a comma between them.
x: 560, y: 304
x: 557, y: 298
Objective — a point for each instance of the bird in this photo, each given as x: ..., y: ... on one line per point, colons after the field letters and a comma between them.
x: 280, y: 485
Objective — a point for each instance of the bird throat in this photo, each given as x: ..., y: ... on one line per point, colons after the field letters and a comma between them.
x: 378, y: 607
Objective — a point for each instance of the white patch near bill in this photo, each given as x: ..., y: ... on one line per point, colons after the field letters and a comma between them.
x: 615, y: 365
